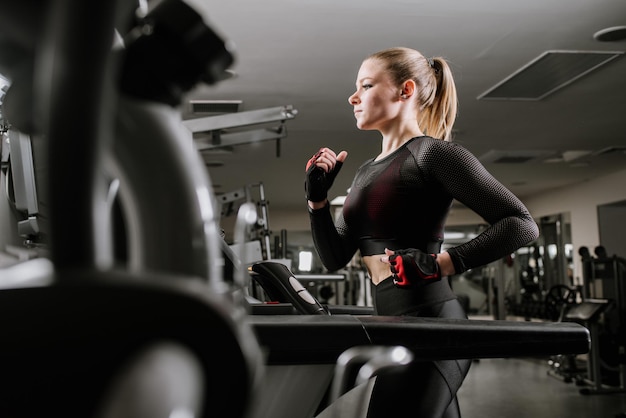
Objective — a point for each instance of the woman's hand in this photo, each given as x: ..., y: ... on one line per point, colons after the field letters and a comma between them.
x: 326, y: 159
x: 321, y: 170
x: 412, y: 266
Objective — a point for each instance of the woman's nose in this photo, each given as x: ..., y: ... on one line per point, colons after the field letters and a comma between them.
x: 353, y: 99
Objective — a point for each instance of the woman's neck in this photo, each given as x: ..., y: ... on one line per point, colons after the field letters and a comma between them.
x: 395, y: 139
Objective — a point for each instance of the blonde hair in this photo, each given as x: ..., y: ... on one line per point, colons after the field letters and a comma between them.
x: 436, y: 91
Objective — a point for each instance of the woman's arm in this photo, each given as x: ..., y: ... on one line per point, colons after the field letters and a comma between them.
x: 332, y: 242
x: 510, y: 223
x: 332, y: 245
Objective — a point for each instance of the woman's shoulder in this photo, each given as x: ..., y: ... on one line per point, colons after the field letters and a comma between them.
x: 366, y: 163
x: 430, y: 144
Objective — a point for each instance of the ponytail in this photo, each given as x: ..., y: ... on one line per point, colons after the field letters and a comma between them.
x: 436, y: 92
x: 438, y: 114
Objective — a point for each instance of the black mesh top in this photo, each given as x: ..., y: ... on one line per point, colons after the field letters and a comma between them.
x: 402, y: 201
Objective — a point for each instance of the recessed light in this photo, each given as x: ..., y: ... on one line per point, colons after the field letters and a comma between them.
x: 615, y: 33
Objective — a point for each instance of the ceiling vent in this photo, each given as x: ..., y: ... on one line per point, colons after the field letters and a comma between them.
x: 548, y: 73
x: 513, y: 156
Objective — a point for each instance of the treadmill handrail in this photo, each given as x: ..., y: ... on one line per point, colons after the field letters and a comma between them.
x: 318, y: 339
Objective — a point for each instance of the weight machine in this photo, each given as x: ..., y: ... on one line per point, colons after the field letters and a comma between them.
x: 17, y: 159
x: 603, y: 278
x: 228, y: 204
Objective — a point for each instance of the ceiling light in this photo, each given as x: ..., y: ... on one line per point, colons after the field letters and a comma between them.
x: 615, y: 33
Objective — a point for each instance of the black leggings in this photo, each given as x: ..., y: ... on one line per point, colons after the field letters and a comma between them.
x: 424, y: 389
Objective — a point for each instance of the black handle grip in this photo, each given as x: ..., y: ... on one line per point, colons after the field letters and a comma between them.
x: 282, y: 286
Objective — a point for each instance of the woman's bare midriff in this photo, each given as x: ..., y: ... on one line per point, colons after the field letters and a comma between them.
x: 377, y: 270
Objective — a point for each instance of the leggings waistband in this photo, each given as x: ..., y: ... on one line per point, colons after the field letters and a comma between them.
x: 371, y: 246
x: 418, y: 301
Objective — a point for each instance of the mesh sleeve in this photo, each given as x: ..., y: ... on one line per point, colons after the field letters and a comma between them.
x: 510, y: 224
x: 333, y: 244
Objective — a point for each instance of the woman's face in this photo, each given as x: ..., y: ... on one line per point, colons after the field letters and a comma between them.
x: 376, y: 100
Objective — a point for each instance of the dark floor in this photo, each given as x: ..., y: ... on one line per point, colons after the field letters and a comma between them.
x: 522, y: 388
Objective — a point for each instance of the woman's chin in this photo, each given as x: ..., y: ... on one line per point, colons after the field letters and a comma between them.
x: 363, y: 126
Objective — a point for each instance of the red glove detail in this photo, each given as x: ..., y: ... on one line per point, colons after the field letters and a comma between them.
x: 312, y: 160
x: 412, y: 267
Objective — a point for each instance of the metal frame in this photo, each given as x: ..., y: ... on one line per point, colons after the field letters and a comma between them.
x: 24, y: 185
x: 234, y: 120
x: 218, y: 123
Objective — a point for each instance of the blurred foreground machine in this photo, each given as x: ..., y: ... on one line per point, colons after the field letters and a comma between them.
x: 85, y: 337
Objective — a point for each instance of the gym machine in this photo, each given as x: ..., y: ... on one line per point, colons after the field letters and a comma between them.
x: 96, y: 340
x: 251, y: 242
x: 588, y: 313
x: 228, y: 202
x: 604, y: 278
x: 321, y: 337
x: 211, y: 132
x: 85, y: 333
x: 19, y: 160
x: 598, y: 305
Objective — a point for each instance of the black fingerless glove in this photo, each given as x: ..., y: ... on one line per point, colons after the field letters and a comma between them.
x: 317, y: 181
x: 412, y: 267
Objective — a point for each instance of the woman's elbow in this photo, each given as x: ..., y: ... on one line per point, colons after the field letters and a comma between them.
x: 333, y: 262
x: 332, y: 266
x: 531, y: 229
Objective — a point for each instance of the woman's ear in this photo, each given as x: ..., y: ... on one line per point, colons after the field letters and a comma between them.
x: 408, y: 89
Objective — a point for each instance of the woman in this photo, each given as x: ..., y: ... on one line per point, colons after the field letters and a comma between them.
x: 396, y: 209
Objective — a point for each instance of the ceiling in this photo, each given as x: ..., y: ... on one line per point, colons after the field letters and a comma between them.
x: 306, y: 54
